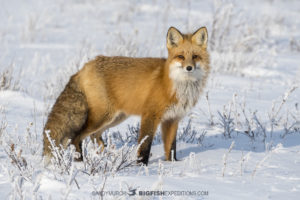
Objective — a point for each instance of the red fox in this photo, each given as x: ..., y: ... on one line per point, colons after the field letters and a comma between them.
x: 107, y: 90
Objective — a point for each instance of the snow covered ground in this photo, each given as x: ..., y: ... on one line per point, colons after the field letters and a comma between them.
x: 241, y: 141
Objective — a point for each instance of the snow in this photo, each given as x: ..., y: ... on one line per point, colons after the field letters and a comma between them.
x: 255, y: 51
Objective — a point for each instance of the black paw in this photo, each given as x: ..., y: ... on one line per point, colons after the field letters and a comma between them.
x: 143, y: 161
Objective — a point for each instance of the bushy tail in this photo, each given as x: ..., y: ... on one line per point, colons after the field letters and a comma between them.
x: 67, y: 117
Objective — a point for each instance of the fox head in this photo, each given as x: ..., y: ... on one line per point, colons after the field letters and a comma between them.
x: 188, y: 59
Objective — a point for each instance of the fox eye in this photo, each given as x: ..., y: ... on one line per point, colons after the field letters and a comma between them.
x: 196, y: 57
x: 180, y: 56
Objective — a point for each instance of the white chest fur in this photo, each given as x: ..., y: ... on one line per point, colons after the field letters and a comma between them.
x: 187, y: 94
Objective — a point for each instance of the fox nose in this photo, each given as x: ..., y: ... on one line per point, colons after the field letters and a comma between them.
x: 189, y: 68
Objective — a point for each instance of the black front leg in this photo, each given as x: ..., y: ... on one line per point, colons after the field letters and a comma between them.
x: 173, y: 149
x: 144, y: 151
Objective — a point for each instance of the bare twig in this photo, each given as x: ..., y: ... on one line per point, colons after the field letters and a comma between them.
x: 225, y: 157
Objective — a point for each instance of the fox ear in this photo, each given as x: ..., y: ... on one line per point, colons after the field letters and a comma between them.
x: 174, y: 37
x: 200, y: 37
